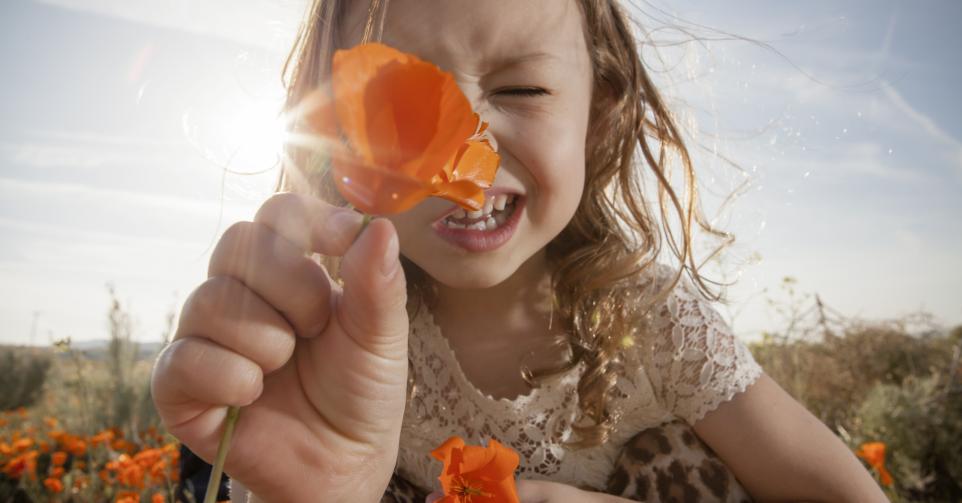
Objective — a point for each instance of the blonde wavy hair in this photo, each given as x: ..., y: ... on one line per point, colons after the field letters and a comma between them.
x: 612, y: 238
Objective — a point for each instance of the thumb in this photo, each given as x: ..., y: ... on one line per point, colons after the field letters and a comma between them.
x: 372, y: 309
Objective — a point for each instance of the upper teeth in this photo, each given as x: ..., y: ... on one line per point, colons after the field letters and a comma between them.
x: 484, y: 217
x: 492, y: 203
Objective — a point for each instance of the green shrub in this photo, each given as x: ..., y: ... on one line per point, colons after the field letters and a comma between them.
x: 23, y: 372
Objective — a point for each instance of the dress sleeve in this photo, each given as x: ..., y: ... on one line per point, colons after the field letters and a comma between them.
x: 691, y: 357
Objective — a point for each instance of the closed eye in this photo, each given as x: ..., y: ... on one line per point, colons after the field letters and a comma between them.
x: 523, y: 91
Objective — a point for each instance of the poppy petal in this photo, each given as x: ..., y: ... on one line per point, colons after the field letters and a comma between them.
x: 443, y: 451
x: 399, y: 111
x: 476, y: 162
x: 501, y: 463
x: 376, y: 191
x: 475, y: 459
x: 465, y: 193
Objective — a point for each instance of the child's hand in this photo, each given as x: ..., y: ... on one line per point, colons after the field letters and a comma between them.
x: 320, y: 370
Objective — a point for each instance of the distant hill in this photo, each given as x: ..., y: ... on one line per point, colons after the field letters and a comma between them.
x: 96, y: 349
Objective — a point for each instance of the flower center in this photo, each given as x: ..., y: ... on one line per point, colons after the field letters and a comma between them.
x: 466, y: 490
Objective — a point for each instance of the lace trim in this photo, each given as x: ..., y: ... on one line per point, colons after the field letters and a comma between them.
x: 695, y: 363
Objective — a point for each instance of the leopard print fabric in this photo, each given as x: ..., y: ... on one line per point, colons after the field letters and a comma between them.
x: 665, y: 464
x: 402, y: 491
x: 669, y: 463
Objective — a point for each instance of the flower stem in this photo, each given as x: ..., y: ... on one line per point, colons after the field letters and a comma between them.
x: 215, y: 473
x: 233, y: 412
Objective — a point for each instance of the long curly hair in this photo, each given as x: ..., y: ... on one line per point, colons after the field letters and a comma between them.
x: 613, y: 237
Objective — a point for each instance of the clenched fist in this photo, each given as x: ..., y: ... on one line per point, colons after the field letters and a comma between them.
x: 320, y: 369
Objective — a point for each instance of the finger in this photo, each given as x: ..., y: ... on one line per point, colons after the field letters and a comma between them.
x: 431, y: 498
x: 372, y: 307
x: 225, y: 311
x: 192, y: 374
x: 309, y: 223
x: 278, y: 272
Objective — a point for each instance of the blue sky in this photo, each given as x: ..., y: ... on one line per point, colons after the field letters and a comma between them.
x: 117, y: 118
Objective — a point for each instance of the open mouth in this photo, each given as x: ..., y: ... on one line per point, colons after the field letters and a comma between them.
x: 497, y: 210
x: 485, y: 229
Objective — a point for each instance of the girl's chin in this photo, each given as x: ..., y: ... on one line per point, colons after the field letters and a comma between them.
x: 468, y: 276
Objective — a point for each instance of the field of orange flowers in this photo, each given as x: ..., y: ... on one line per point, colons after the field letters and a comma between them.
x: 42, y: 462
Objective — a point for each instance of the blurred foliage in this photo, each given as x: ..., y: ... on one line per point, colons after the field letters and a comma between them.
x: 23, y: 372
x: 93, y: 402
x: 876, y: 381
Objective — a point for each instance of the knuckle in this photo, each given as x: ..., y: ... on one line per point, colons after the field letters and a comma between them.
x: 232, y: 248
x: 276, y: 205
x: 249, y: 377
x: 237, y: 233
x: 310, y: 300
x: 186, y: 354
x: 211, y: 297
x: 279, y: 355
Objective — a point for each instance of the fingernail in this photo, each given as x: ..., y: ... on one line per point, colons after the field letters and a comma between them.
x: 390, y: 262
x: 344, y: 223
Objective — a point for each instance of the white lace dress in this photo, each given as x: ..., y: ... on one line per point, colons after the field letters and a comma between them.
x: 690, y: 365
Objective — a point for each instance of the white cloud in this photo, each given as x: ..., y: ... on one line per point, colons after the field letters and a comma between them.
x: 928, y: 126
x: 270, y: 24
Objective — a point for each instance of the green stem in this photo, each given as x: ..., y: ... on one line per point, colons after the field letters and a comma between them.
x: 214, y: 483
x: 366, y: 220
x: 233, y: 413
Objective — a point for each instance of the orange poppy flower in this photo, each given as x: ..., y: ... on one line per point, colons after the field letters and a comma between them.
x: 58, y: 458
x: 127, y: 497
x: 473, y: 473
x: 53, y: 485
x: 874, y: 454
x: 400, y: 130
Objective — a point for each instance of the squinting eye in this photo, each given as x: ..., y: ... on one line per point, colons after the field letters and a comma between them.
x: 523, y: 91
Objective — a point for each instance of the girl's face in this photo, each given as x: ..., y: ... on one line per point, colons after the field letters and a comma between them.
x: 525, y: 68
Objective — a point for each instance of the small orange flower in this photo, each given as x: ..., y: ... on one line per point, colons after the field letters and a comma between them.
x: 104, y: 437
x: 58, y: 458
x: 874, y: 454
x: 76, y: 446
x: 23, y: 444
x: 475, y: 474
x: 56, y: 471
x: 127, y: 497
x: 408, y: 132
x: 158, y: 498
x: 24, y: 464
x: 53, y: 485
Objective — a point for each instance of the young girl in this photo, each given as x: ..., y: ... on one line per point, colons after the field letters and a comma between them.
x: 552, y: 329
